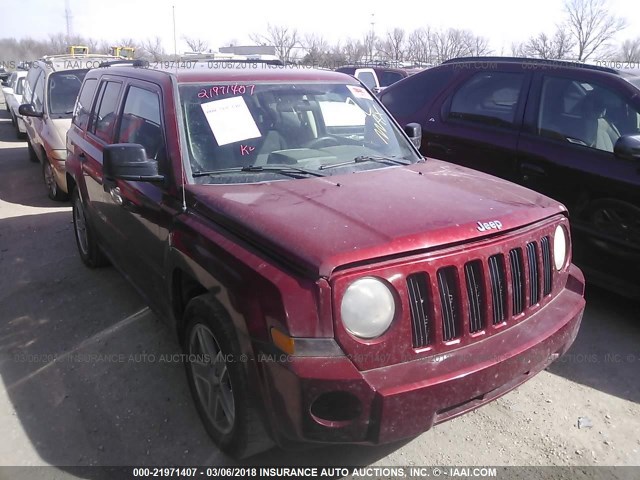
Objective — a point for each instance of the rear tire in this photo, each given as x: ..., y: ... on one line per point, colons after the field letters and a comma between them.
x: 218, y: 380
x: 53, y: 189
x: 88, y: 247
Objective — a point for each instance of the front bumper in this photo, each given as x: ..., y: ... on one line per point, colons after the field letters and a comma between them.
x: 22, y: 128
x: 60, y: 173
x: 403, y: 400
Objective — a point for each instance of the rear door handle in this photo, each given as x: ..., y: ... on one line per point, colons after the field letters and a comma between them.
x: 529, y: 170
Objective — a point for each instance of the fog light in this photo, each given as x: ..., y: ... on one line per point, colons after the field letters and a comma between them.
x: 335, y: 409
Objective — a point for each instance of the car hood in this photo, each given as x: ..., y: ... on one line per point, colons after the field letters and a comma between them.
x: 320, y: 224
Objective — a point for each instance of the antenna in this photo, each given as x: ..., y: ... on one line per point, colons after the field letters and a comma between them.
x: 175, y: 53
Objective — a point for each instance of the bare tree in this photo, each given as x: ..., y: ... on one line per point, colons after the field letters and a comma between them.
x: 476, y: 46
x: 370, y: 41
x: 196, y: 44
x: 151, y: 49
x: 542, y: 46
x: 336, y: 56
x: 591, y: 25
x: 630, y: 51
x: 393, y: 45
x: 317, y: 48
x: 454, y: 43
x: 284, y: 39
x: 420, y: 47
x: 354, y: 51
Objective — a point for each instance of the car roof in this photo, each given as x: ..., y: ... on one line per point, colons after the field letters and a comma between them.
x: 532, y: 61
x: 375, y: 68
x: 62, y: 62
x: 229, y: 72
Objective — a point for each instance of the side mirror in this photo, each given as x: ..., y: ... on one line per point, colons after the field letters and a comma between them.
x: 27, y: 110
x: 128, y: 161
x: 627, y: 147
x: 5, y: 83
x: 414, y: 132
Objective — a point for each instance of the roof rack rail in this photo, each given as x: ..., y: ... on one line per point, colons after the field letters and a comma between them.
x: 544, y: 61
x: 134, y: 63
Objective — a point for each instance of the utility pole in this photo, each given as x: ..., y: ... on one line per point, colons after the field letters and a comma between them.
x: 68, y: 17
x: 372, y: 37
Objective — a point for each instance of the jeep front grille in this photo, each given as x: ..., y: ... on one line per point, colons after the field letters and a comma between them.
x: 499, y: 287
x: 417, y: 286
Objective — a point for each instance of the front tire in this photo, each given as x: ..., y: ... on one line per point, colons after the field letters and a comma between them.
x: 33, y: 156
x: 53, y: 189
x: 88, y: 248
x: 218, y: 381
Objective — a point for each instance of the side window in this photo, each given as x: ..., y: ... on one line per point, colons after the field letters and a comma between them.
x: 19, y: 88
x: 488, y: 98
x: 105, y: 110
x: 367, y: 78
x: 417, y: 91
x: 584, y: 113
x: 83, y: 104
x: 32, y: 77
x: 141, y: 122
x: 38, y: 94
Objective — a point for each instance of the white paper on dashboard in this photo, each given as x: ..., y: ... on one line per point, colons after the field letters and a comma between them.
x: 230, y: 120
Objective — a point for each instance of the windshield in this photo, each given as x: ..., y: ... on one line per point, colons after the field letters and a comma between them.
x: 63, y: 90
x: 310, y: 127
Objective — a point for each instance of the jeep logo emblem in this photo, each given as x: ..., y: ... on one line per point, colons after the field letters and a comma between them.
x: 494, y: 225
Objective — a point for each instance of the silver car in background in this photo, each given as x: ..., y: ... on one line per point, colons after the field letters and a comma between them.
x: 13, y: 99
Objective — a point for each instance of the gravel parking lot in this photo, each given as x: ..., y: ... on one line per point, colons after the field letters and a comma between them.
x: 116, y: 396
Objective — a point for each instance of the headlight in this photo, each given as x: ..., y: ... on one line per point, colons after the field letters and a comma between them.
x: 367, y: 308
x: 560, y: 247
x: 59, y: 154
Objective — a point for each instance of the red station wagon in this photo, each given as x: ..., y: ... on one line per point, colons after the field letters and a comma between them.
x: 327, y: 282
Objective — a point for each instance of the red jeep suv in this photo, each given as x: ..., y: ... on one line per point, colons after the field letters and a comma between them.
x: 327, y: 282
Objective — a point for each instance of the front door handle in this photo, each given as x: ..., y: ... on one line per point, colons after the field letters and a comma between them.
x: 440, y: 146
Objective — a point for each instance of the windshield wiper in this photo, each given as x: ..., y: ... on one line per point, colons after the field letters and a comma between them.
x: 289, y: 170
x: 367, y: 158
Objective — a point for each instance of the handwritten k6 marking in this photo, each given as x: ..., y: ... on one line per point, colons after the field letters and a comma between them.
x: 494, y: 225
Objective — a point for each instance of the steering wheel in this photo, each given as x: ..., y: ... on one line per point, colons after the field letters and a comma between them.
x: 321, y: 142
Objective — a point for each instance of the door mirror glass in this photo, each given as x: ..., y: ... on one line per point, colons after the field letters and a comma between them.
x: 414, y: 132
x: 28, y: 110
x: 128, y: 161
x: 628, y: 147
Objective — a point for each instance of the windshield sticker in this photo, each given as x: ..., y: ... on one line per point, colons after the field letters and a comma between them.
x: 342, y: 114
x: 230, y: 120
x: 217, y: 90
x: 359, y: 92
x: 379, y: 124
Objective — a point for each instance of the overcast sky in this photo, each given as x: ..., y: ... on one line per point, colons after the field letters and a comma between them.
x: 221, y: 22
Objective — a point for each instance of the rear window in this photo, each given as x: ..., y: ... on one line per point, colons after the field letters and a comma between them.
x: 389, y: 78
x: 417, y: 91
